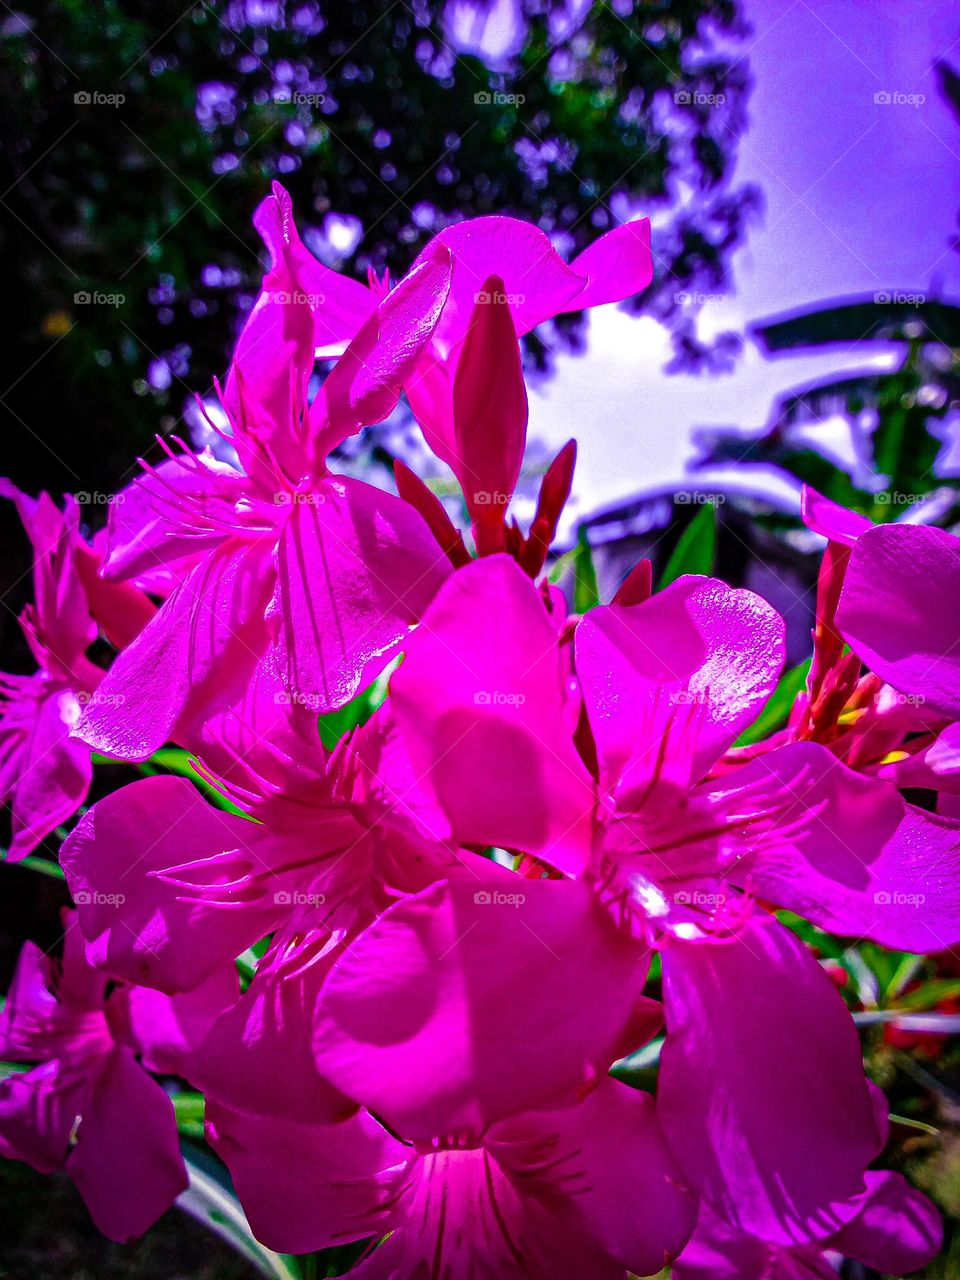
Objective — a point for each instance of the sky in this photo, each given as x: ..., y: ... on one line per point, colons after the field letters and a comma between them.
x: 861, y: 195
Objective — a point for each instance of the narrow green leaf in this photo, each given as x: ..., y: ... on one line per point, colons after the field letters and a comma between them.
x: 189, y: 1109
x: 586, y: 593
x: 212, y: 1203
x: 694, y: 553
x: 335, y: 724
x: 45, y: 866
x: 779, y: 704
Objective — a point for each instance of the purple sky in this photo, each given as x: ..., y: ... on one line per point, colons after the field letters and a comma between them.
x: 859, y: 196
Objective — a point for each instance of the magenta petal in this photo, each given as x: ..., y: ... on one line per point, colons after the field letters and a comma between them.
x: 364, y: 385
x: 762, y: 1093
x: 154, y: 519
x: 479, y: 699
x: 140, y: 923
x: 490, y: 408
x: 192, y: 659
x: 608, y: 1155
x: 166, y: 1031
x: 338, y: 304
x: 258, y: 1057
x: 536, y: 280
x: 38, y: 1110
x: 719, y: 1251
x: 616, y: 266
x: 127, y: 1163
x: 53, y: 772
x: 831, y: 521
x: 357, y: 568
x: 464, y: 1213
x: 671, y: 682
x: 846, y: 851
x: 514, y: 991
x: 897, y: 1231
x: 305, y: 1187
x: 900, y: 610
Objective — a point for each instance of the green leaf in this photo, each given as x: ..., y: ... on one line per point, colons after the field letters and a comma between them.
x: 46, y: 866
x: 586, y: 593
x: 779, y: 704
x: 336, y: 724
x: 189, y: 1110
x: 696, y: 548
x: 211, y: 1201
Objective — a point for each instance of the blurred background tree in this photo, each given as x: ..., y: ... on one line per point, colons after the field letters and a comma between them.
x: 384, y: 126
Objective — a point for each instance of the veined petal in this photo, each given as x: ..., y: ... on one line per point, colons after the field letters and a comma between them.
x: 762, y: 1093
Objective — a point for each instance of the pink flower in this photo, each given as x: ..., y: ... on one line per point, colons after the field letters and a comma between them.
x: 679, y: 859
x: 87, y: 1106
x: 589, y: 1189
x: 44, y: 773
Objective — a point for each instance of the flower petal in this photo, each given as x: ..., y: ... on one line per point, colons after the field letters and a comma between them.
x: 514, y: 992
x: 762, y: 1093
x: 900, y: 610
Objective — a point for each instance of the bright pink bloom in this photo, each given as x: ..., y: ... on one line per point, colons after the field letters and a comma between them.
x: 317, y: 576
x: 586, y: 1190
x: 668, y: 684
x: 896, y: 1230
x: 44, y: 773
x: 87, y: 1107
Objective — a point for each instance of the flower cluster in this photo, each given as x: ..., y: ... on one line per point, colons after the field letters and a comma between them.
x: 456, y: 905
